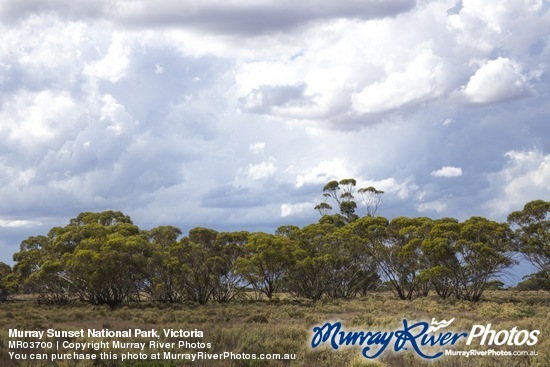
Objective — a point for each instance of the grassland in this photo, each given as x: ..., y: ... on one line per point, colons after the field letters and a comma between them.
x: 284, y: 326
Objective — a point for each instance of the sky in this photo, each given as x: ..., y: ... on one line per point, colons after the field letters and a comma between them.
x: 233, y: 114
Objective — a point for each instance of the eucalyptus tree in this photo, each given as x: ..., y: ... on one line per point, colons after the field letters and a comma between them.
x: 439, y: 250
x: 350, y: 271
x: 98, y: 256
x: 8, y: 283
x: 204, y: 265
x: 230, y: 246
x: 196, y: 265
x: 532, y: 237
x: 38, y: 270
x: 196, y: 269
x: 371, y: 199
x: 109, y: 269
x: 483, y: 252
x: 343, y: 193
x: 265, y: 262
x: 310, y: 272
x: 107, y: 263
x: 395, y: 248
x: 160, y: 281
x: 326, y: 262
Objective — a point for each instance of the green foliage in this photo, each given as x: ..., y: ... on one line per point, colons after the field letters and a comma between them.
x: 8, y: 283
x: 103, y: 258
x: 265, y: 262
x: 97, y: 256
x: 343, y: 194
x: 159, y: 282
x: 440, y: 262
x: 394, y: 247
x: 38, y: 270
x: 326, y: 263
x: 483, y: 251
x: 416, y: 254
x: 535, y: 282
x: 533, y: 232
x: 197, y: 267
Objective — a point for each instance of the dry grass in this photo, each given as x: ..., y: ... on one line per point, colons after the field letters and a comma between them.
x: 284, y: 326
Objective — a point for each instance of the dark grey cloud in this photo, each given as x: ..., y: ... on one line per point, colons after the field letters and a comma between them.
x: 223, y: 17
x: 269, y: 192
x: 12, y: 11
x: 261, y: 16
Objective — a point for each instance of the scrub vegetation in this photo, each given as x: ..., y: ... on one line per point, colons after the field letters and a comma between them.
x: 262, y: 292
x: 284, y: 325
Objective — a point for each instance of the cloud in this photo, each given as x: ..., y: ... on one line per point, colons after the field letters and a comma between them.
x: 251, y: 18
x: 166, y: 110
x: 447, y: 171
x: 497, y: 81
x: 437, y: 206
x: 525, y: 177
x: 261, y: 170
x: 114, y: 64
x: 7, y: 223
x: 506, y: 25
x: 279, y: 100
x: 420, y: 80
x: 32, y: 117
x: 324, y: 172
x: 159, y: 69
x: 257, y: 148
x: 18, y: 9
x: 237, y: 17
x: 288, y: 210
x: 401, y: 189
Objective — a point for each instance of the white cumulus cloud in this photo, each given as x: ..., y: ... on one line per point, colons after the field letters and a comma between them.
x: 496, y: 81
x: 437, y: 206
x: 9, y: 223
x: 293, y: 209
x: 420, y: 80
x: 261, y: 170
x: 324, y: 172
x: 447, y: 171
x: 525, y: 177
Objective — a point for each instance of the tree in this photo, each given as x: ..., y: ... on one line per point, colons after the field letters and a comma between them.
x: 532, y: 230
x: 109, y: 269
x: 229, y: 247
x: 197, y: 269
x: 395, y: 248
x: 440, y: 262
x: 204, y: 236
x: 535, y: 282
x: 343, y: 194
x: 265, y: 262
x: 8, y: 284
x: 203, y: 265
x: 371, y: 198
x: 351, y: 271
x: 98, y: 256
x: 38, y: 270
x: 310, y: 271
x: 327, y: 263
x: 160, y: 281
x: 483, y: 251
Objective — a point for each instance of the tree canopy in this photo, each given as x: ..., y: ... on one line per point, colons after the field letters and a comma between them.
x: 104, y: 258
